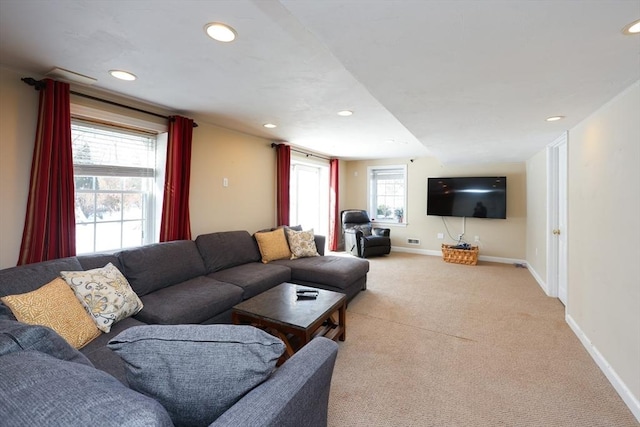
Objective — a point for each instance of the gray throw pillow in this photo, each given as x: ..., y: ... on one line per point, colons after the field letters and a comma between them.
x: 16, y: 336
x: 197, y: 372
x: 40, y: 390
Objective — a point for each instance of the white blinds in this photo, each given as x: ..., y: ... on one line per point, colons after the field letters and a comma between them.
x: 99, y: 150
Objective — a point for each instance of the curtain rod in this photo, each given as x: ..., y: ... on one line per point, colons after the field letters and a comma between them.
x: 274, y: 145
x: 39, y: 84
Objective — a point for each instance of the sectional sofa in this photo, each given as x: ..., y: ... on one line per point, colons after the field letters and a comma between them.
x: 198, y: 282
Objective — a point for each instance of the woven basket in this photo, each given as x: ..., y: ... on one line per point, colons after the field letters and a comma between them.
x: 460, y: 256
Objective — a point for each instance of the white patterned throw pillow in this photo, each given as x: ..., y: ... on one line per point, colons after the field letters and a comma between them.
x: 302, y: 244
x: 105, y: 293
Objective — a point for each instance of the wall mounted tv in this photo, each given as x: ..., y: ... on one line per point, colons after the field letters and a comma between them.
x: 480, y: 197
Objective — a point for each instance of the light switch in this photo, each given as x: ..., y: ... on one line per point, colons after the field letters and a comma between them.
x: 225, y: 182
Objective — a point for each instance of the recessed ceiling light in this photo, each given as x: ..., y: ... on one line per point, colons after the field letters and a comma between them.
x: 345, y: 113
x: 633, y: 28
x: 220, y: 32
x: 269, y: 125
x: 122, y: 75
x: 554, y: 118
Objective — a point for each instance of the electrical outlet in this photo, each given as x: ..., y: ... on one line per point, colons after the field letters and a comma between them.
x: 476, y: 238
x: 440, y: 236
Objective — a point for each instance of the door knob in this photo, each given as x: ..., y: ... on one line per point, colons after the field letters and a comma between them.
x: 556, y: 231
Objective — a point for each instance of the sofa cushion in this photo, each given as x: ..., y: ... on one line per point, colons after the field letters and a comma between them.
x: 156, y: 266
x: 301, y: 243
x: 197, y: 371
x: 91, y: 261
x: 102, y: 357
x: 335, y: 271
x: 16, y: 336
x: 227, y: 249
x: 26, y: 278
x: 40, y: 390
x: 6, y: 313
x: 105, y: 294
x: 254, y: 277
x: 192, y: 301
x: 273, y: 245
x: 55, y: 305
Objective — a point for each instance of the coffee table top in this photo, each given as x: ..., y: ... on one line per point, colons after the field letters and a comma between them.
x: 280, y: 304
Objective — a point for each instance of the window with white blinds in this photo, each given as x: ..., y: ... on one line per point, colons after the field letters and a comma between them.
x: 388, y: 193
x: 114, y: 170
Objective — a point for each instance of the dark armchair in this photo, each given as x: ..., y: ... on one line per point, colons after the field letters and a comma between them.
x: 360, y: 238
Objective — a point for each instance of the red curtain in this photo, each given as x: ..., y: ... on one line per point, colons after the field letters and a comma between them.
x: 175, y: 223
x: 334, y: 220
x: 50, y: 226
x: 283, y: 153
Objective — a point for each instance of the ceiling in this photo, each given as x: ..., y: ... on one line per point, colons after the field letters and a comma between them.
x: 467, y: 81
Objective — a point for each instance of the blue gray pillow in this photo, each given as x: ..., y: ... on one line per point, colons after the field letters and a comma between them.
x: 197, y: 372
x: 16, y: 336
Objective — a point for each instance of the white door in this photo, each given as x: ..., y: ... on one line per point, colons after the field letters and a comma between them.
x: 562, y: 222
x: 557, y: 219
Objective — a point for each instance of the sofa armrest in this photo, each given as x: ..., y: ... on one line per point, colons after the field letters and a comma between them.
x: 320, y: 242
x: 297, y: 394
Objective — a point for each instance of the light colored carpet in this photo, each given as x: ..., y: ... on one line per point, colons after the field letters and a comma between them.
x: 437, y: 344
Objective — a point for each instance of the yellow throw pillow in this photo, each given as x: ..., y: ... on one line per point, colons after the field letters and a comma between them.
x: 56, y: 306
x: 273, y: 245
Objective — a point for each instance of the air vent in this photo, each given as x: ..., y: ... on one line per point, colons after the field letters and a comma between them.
x: 413, y: 241
x: 70, y: 76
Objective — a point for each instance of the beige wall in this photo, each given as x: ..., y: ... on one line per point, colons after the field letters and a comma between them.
x: 248, y: 203
x: 537, y: 215
x: 498, y: 238
x: 604, y: 234
x: 18, y: 111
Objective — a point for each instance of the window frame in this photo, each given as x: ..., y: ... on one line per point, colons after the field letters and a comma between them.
x: 372, y: 195
x: 152, y: 196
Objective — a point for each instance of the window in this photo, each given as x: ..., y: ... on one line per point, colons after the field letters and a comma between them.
x: 388, y: 193
x: 114, y: 171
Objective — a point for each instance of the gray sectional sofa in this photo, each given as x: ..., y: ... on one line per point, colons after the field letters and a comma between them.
x: 198, y: 282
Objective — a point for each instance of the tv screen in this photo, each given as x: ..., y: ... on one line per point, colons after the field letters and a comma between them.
x: 479, y: 197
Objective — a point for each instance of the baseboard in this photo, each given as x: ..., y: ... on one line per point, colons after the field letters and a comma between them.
x: 539, y: 279
x: 415, y: 251
x: 439, y: 254
x: 629, y: 399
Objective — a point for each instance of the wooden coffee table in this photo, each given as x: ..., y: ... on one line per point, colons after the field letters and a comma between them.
x: 295, y: 321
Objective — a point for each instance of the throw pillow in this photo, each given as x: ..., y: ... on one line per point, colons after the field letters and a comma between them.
x: 54, y: 305
x: 16, y: 336
x: 196, y: 372
x: 273, y: 245
x: 302, y: 244
x: 105, y: 293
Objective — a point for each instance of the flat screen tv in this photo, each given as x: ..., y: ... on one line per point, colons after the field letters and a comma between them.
x: 479, y: 197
